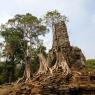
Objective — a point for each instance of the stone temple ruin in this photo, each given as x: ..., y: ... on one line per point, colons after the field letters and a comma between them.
x: 73, y: 55
x: 63, y: 72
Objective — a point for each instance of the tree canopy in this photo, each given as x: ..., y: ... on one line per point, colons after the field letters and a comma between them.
x: 21, y: 35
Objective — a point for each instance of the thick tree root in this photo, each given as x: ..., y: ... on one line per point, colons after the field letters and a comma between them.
x: 43, y: 69
x: 60, y: 63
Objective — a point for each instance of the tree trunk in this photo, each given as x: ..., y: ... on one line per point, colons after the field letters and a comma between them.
x: 27, y: 71
x: 61, y: 63
x: 43, y: 65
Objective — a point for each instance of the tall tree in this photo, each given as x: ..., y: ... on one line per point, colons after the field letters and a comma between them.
x: 13, y: 50
x: 53, y: 17
x: 31, y: 27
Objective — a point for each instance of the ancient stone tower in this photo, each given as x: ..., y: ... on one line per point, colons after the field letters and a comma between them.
x: 72, y: 55
x: 61, y: 38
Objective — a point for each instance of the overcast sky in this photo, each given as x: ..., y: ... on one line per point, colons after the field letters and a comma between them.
x: 81, y: 15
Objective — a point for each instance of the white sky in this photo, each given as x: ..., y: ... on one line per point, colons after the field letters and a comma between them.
x: 81, y: 15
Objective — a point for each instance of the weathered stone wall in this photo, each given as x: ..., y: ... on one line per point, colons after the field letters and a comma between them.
x: 77, y: 58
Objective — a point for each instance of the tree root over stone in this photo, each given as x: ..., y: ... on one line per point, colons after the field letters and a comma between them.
x: 45, y: 70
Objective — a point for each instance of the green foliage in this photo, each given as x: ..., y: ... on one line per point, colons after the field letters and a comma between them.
x: 53, y: 17
x: 2, y: 79
x: 2, y: 73
x: 90, y: 63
